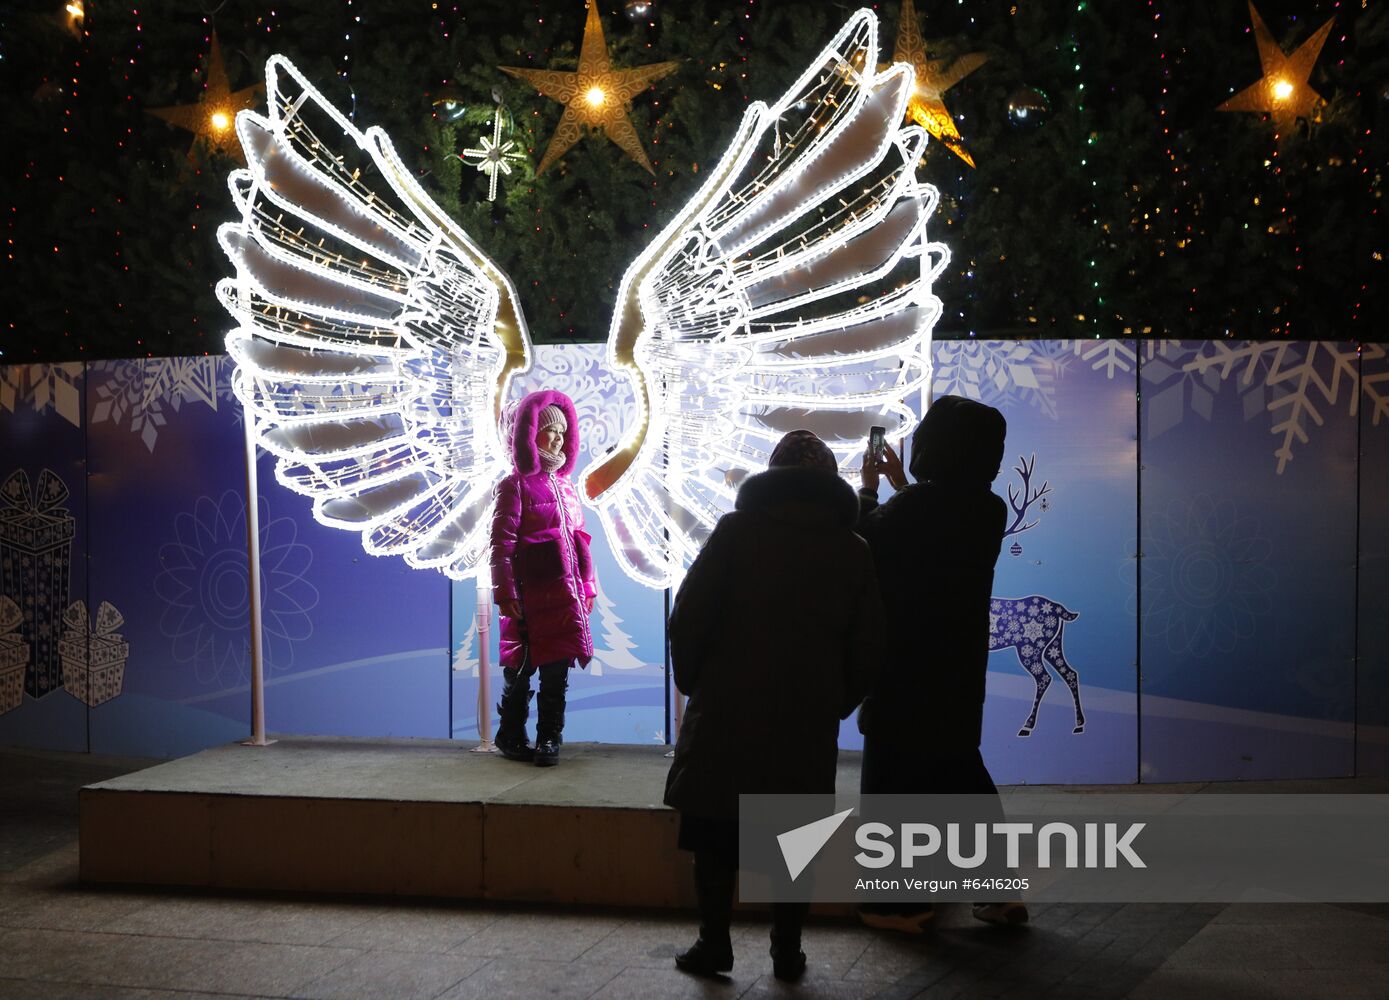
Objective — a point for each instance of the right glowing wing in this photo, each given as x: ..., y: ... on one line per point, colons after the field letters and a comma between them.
x: 793, y: 291
x: 375, y: 341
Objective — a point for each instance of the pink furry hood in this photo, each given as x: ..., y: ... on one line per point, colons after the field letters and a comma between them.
x: 524, y: 454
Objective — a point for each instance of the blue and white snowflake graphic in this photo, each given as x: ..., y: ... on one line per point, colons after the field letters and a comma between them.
x: 43, y: 388
x: 142, y: 391
x: 1206, y: 582
x: 205, y: 584
x: 605, y: 405
x: 1292, y: 385
x: 997, y: 372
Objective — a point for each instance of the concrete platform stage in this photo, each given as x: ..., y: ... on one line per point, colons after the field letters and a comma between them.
x: 397, y: 817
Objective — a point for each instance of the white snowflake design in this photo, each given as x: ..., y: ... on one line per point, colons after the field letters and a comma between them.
x: 998, y: 372
x: 1294, y: 385
x: 1171, y: 390
x: 43, y: 387
x: 141, y: 388
x: 1109, y: 356
x: 1374, y: 376
x: 1206, y: 582
x: 493, y: 157
x: 605, y: 406
x: 205, y: 584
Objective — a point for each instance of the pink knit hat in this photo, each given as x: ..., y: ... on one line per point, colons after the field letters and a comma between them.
x: 550, y: 416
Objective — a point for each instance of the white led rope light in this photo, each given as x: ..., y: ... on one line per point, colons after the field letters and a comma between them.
x: 376, y: 343
x: 725, y: 362
x: 367, y: 347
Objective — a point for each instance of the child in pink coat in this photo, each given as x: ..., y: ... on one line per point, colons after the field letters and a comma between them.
x: 542, y: 575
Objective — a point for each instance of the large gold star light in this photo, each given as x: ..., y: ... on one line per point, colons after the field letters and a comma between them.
x: 1283, y: 92
x: 213, y: 118
x: 933, y: 78
x: 596, y: 96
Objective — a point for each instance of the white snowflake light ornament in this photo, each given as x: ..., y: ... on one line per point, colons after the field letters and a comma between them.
x: 493, y: 157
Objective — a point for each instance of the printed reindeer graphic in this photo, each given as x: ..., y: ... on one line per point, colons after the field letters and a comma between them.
x: 1032, y: 626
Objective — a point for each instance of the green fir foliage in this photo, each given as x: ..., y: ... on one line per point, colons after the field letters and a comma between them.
x: 1130, y: 207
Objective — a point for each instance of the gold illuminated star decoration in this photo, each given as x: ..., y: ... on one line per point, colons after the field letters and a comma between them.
x: 212, y: 120
x: 596, y: 96
x: 933, y: 78
x: 1283, y: 92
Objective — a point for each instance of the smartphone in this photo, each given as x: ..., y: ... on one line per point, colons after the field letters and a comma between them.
x: 877, y: 442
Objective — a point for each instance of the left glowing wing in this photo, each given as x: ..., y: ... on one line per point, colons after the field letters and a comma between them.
x: 794, y: 290
x: 375, y: 341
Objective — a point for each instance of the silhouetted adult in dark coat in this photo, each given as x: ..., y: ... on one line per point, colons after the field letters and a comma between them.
x: 934, y: 545
x: 773, y: 635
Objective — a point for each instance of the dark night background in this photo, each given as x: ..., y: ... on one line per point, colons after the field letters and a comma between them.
x: 1125, y: 205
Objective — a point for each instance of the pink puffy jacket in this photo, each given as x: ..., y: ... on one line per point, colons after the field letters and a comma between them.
x: 540, y: 552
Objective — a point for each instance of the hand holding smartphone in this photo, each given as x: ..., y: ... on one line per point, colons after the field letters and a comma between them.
x: 877, y: 442
x: 882, y: 459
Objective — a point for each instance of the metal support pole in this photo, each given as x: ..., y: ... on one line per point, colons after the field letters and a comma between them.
x: 253, y: 554
x: 484, y: 664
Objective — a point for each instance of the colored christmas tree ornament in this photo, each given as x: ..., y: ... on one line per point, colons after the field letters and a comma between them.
x: 639, y: 10
x: 1283, y: 92
x: 493, y: 157
x: 1028, y: 107
x: 596, y: 96
x: 75, y: 17
x: 933, y: 78
x: 212, y: 119
x: 448, y: 102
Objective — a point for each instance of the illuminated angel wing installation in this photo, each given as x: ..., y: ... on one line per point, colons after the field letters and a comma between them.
x: 794, y: 290
x: 375, y: 341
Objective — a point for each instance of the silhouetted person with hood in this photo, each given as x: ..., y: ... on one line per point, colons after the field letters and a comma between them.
x: 934, y: 545
x: 773, y: 636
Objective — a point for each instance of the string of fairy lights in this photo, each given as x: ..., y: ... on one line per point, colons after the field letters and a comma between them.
x: 1087, y: 181
x: 130, y: 61
x: 1163, y: 66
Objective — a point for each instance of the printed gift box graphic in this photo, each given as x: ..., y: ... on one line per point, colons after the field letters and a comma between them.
x: 93, y: 658
x: 14, y: 657
x: 35, y: 559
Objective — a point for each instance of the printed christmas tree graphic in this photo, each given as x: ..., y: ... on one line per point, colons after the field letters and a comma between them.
x: 614, y: 649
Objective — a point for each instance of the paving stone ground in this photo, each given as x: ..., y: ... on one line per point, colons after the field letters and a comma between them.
x: 59, y: 939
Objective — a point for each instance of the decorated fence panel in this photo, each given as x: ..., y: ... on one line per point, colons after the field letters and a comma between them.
x: 1223, y: 494
x: 1247, y: 582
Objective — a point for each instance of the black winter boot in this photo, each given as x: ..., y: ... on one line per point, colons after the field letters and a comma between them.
x: 549, y: 724
x: 712, y: 952
x: 512, y: 712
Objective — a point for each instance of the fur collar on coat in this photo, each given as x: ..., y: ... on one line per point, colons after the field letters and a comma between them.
x: 800, y: 495
x: 524, y: 454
